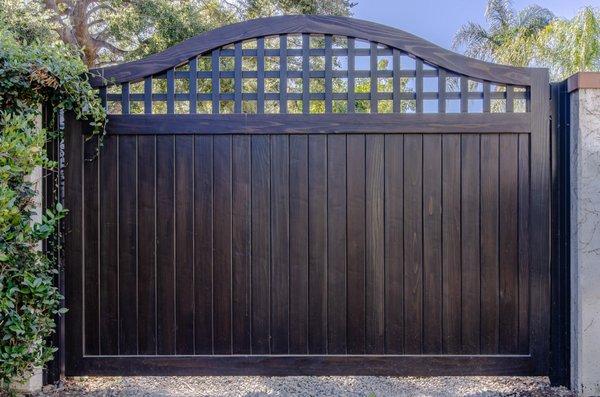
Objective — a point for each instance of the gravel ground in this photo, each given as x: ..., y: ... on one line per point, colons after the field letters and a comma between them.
x: 307, y: 386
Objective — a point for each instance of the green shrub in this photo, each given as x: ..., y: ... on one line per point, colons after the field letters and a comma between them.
x: 31, y: 73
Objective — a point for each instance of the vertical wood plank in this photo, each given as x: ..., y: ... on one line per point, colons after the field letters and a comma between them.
x: 464, y: 94
x: 165, y: 247
x: 125, y: 98
x: 305, y: 74
x: 260, y: 75
x: 442, y: 90
x: 470, y: 243
x: 146, y: 215
x: 510, y: 98
x: 451, y: 251
x: 374, y: 97
x: 298, y: 244
x: 170, y: 91
x: 394, y: 244
x: 351, y: 81
x: 215, y: 80
x: 193, y: 84
x: 127, y: 246
x: 184, y: 243
x: 237, y: 105
x: 419, y: 85
x: 222, y: 245
x: 539, y: 303
x: 280, y: 161
x: 102, y: 94
x: 432, y: 244
x: 336, y: 244
x: 74, y: 243
x: 317, y: 234
x: 328, y: 74
x: 203, y: 244
x: 261, y: 244
x: 283, y: 74
x: 489, y: 244
x: 509, y: 233
x: 356, y: 243
x: 413, y: 244
x: 91, y: 253
x: 148, y: 95
x: 241, y: 243
x: 524, y: 244
x: 396, y: 79
x: 486, y: 97
x: 109, y: 337
x: 374, y: 244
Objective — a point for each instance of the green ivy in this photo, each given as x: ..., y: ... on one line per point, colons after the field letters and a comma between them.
x: 32, y: 73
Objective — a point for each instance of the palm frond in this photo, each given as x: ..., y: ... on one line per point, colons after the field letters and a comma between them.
x: 476, y: 39
x: 534, y: 18
x: 499, y: 14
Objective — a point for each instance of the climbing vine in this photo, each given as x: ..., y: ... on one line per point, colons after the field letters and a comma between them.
x: 32, y: 73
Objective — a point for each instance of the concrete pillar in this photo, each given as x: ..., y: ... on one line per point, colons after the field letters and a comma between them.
x: 584, y: 89
x: 34, y: 383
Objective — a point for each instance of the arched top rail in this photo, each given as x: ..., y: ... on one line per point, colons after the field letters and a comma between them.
x: 310, y: 24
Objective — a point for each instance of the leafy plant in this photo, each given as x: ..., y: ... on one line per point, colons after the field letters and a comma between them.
x: 534, y: 37
x: 31, y: 73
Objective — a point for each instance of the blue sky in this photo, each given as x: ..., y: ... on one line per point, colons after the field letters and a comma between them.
x: 438, y: 20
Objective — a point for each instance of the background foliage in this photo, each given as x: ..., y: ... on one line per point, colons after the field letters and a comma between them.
x: 32, y: 72
x: 534, y: 36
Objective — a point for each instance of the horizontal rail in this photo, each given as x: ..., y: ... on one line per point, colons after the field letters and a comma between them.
x: 214, y: 124
x: 416, y: 365
x: 274, y: 96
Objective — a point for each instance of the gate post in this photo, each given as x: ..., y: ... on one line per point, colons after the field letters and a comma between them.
x: 584, y: 91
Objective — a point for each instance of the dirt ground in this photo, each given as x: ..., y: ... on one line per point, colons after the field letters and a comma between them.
x: 306, y: 386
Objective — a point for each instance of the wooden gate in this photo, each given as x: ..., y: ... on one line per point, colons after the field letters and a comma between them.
x: 397, y: 224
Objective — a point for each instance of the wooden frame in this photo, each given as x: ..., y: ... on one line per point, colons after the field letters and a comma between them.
x: 396, y: 38
x: 392, y: 78
x: 371, y: 146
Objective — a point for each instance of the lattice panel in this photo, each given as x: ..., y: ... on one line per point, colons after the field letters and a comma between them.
x: 311, y: 74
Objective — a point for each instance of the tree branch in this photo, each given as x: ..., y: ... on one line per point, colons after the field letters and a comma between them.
x: 105, y: 44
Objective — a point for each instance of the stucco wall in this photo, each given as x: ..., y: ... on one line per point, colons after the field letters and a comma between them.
x: 585, y: 241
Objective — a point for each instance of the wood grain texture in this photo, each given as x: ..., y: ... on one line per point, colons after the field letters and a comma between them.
x: 336, y: 243
x: 203, y: 244
x: 413, y: 244
x: 451, y: 246
x: 280, y: 244
x: 331, y: 25
x: 241, y: 243
x: 108, y: 254
x: 298, y: 244
x: 356, y: 172
x: 321, y: 124
x: 317, y: 245
x: 222, y: 259
x: 184, y: 243
x: 261, y: 244
x: 127, y: 235
x: 470, y: 243
x: 394, y: 244
x: 490, y: 271
x: 374, y: 247
x: 146, y: 225
x: 165, y: 245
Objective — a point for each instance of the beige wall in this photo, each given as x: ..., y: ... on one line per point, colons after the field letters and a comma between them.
x: 585, y: 237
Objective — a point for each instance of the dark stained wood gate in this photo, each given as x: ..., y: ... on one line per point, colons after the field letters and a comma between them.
x: 397, y: 224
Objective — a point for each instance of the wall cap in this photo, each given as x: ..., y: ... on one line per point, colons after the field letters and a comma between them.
x: 583, y: 80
